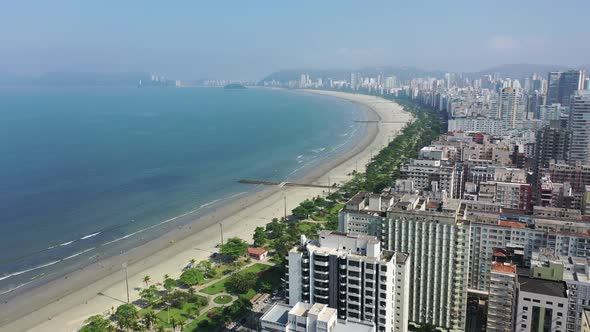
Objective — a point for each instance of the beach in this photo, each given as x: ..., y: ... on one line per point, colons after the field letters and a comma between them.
x: 64, y: 304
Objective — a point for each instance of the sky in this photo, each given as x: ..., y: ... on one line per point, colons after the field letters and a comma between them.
x: 250, y: 39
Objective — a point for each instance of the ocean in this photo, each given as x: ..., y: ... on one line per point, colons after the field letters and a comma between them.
x: 89, y: 172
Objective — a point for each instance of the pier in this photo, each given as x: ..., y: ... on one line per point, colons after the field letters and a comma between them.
x: 377, y: 121
x: 286, y: 184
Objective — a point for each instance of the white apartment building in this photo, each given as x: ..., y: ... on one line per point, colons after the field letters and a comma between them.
x: 477, y: 124
x: 523, y: 233
x: 510, y: 108
x: 305, y: 317
x: 541, y: 305
x: 575, y: 272
x: 430, y: 175
x: 579, y: 122
x: 352, y: 274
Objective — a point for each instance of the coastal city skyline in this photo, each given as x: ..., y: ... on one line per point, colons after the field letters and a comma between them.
x: 331, y: 166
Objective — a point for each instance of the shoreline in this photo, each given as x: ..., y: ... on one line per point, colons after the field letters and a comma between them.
x: 64, y: 304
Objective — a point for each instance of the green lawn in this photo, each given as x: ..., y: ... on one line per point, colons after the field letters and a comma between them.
x: 222, y: 299
x: 219, y: 286
x: 194, y: 325
x: 181, y: 314
x: 329, y: 212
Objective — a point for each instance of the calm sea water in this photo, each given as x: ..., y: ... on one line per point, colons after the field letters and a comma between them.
x: 83, y: 171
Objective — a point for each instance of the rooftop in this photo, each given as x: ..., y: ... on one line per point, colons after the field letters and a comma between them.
x: 257, y: 251
x: 541, y: 286
x: 503, y: 267
x: 278, y: 313
x: 514, y: 224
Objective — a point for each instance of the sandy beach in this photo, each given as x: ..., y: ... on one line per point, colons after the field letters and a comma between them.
x: 64, y: 304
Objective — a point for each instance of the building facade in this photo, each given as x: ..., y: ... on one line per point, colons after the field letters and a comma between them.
x: 352, y: 274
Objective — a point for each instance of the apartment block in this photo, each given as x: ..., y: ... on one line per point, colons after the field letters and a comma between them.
x: 435, y: 235
x: 541, y: 305
x: 351, y: 274
x: 502, y: 297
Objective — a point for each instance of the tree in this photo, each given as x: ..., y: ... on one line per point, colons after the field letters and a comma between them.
x: 242, y: 282
x: 149, y: 318
x: 234, y: 248
x: 300, y: 213
x: 150, y: 295
x: 192, y: 277
x: 176, y: 298
x: 146, y: 280
x: 259, y: 237
x: 320, y: 202
x: 335, y: 196
x: 97, y: 323
x: 126, y: 316
x: 174, y: 322
x: 207, y: 267
x: 275, y: 228
x: 198, y: 300
x: 266, y: 286
x: 169, y: 284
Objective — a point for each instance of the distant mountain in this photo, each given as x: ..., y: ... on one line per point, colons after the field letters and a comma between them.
x: 67, y: 78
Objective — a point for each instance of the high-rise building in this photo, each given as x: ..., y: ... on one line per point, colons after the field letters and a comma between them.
x: 502, y: 297
x: 563, y: 85
x: 437, y: 240
x: 352, y: 274
x: 430, y: 175
x: 541, y: 305
x: 509, y: 110
x: 575, y: 272
x: 579, y: 123
x: 552, y: 143
x: 570, y: 82
x: 553, y: 87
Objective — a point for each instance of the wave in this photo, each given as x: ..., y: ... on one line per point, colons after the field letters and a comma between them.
x: 89, y: 236
x: 316, y: 151
x: 238, y: 194
x: 300, y: 156
x: 29, y: 270
x: 78, y: 254
x: 17, y: 287
x: 211, y: 203
x: 109, y: 242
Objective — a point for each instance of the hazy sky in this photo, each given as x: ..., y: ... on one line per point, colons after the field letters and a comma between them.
x: 249, y: 39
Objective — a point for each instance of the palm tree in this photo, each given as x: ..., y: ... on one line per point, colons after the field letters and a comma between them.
x: 174, y: 323
x: 146, y: 279
x: 149, y: 318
